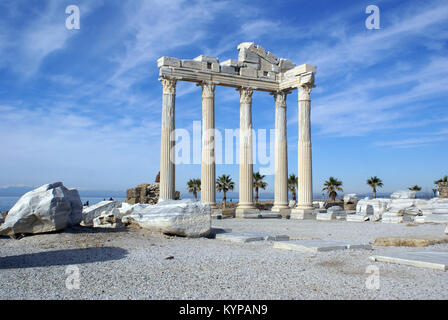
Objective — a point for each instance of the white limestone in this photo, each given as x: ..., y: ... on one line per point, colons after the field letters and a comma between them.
x: 179, y: 217
x: 94, y: 211
x: 403, y: 194
x: 244, y: 237
x: 350, y: 198
x: 108, y: 219
x: 51, y: 207
x: 319, y: 245
x: 425, y: 259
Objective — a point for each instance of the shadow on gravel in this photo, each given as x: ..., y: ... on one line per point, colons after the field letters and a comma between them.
x: 81, y: 229
x: 62, y: 257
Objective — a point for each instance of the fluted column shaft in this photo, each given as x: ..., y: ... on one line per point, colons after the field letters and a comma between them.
x: 167, y: 143
x: 281, y: 154
x: 208, y: 173
x: 246, y: 164
x: 305, y: 174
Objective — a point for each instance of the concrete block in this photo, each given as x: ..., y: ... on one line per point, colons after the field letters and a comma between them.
x: 426, y: 259
x: 168, y: 62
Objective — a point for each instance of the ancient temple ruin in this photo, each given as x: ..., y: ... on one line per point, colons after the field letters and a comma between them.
x: 255, y: 69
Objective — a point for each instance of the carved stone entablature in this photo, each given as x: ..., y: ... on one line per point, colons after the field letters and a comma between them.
x: 255, y: 68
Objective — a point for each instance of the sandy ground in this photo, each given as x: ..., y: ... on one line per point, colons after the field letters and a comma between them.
x: 132, y: 264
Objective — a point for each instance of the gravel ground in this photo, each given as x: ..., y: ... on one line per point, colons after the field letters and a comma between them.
x: 132, y: 264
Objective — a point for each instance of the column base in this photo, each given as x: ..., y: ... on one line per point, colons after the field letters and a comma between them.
x: 303, y: 214
x: 216, y: 213
x: 279, y: 208
x: 247, y: 213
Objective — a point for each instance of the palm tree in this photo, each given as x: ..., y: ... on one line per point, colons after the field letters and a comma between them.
x: 331, y: 186
x: 374, y: 182
x: 258, y: 183
x: 415, y: 188
x: 224, y: 183
x: 443, y: 181
x: 293, y: 181
x: 194, y: 185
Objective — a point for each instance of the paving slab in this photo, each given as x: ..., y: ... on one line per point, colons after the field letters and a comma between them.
x: 426, y: 259
x: 244, y: 237
x: 319, y: 245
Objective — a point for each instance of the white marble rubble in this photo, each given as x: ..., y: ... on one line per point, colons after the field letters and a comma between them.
x: 51, y: 207
x: 350, y: 198
x: 94, y: 211
x: 403, y: 194
x: 435, y: 210
x: 187, y: 218
x: 108, y: 219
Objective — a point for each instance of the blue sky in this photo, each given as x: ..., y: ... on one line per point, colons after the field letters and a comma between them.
x: 84, y: 106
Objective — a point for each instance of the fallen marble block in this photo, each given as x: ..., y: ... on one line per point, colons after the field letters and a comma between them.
x: 186, y: 218
x: 244, y: 237
x: 319, y: 245
x: 425, y: 259
x: 411, y: 241
x: 403, y: 194
x: 335, y: 215
x: 396, y: 219
x: 51, y: 207
x: 350, y: 198
x: 109, y: 220
x: 432, y: 218
x: 359, y: 218
x: 94, y: 211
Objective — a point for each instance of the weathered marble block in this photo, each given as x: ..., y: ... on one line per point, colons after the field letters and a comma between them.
x: 168, y: 62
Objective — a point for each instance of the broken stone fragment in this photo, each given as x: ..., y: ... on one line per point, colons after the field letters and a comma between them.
x: 51, y: 207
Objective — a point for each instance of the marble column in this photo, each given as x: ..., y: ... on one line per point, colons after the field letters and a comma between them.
x: 281, y: 155
x: 246, y: 196
x: 208, y: 173
x: 304, y: 208
x: 167, y: 143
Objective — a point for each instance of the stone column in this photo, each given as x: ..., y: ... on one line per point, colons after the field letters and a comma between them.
x: 167, y: 165
x: 281, y: 155
x: 304, y: 208
x: 246, y: 203
x: 208, y: 173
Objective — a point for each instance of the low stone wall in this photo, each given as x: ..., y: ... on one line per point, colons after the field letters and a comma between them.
x: 443, y: 192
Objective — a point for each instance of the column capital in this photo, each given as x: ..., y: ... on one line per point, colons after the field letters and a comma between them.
x: 169, y: 85
x: 245, y: 95
x: 280, y: 98
x: 305, y: 91
x: 208, y: 89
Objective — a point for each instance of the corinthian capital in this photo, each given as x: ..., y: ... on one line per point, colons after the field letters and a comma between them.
x: 208, y: 89
x: 169, y: 85
x: 280, y: 98
x: 246, y: 95
x: 304, y: 92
